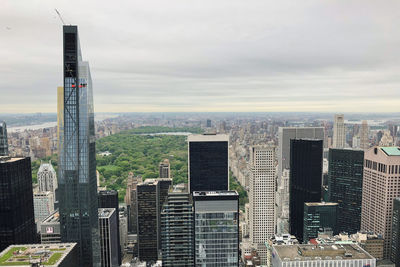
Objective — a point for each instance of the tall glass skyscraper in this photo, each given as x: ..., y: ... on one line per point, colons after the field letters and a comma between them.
x: 77, y: 182
x: 3, y: 139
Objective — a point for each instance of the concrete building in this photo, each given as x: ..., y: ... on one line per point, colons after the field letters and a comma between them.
x: 164, y: 169
x: 282, y: 204
x: 364, y: 135
x: 318, y: 215
x: 395, y: 249
x: 321, y: 255
x: 305, y: 180
x: 208, y: 164
x: 17, y: 220
x: 50, y: 229
x: 216, y: 224
x: 262, y: 197
x: 130, y: 201
x: 54, y: 255
x: 47, y: 178
x: 3, y: 140
x: 345, y: 187
x: 43, y: 203
x: 371, y: 242
x: 109, y: 237
x: 278, y: 240
x: 177, y: 228
x: 339, y: 133
x: 380, y: 187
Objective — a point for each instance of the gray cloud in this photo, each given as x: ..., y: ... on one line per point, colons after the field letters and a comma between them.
x: 226, y: 55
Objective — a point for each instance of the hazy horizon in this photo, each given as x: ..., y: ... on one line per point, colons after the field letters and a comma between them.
x: 208, y: 56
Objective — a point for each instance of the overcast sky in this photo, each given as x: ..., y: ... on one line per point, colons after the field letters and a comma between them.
x: 217, y: 55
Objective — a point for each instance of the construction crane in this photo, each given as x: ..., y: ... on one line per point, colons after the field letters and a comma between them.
x: 59, y: 15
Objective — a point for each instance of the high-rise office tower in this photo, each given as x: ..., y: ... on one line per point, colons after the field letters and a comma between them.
x: 109, y: 199
x: 262, y: 197
x: 380, y: 186
x: 395, y: 249
x: 319, y: 215
x: 177, y: 228
x: 216, y: 224
x: 109, y: 237
x: 282, y: 204
x: 208, y: 162
x: 3, y: 139
x: 77, y: 186
x: 17, y: 221
x: 364, y: 133
x: 305, y: 180
x: 130, y: 201
x: 208, y: 124
x: 339, y: 133
x: 164, y: 169
x: 50, y: 229
x: 43, y: 203
x: 345, y: 187
x: 150, y: 195
x: 47, y: 178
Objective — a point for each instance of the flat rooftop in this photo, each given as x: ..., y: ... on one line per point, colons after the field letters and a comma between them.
x: 106, y: 212
x: 208, y: 138
x: 391, y: 151
x: 315, y: 204
x: 25, y: 255
x: 4, y: 159
x: 215, y: 193
x: 52, y: 218
x: 299, y: 252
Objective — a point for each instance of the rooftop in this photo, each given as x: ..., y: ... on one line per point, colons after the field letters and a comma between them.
x: 25, y: 255
x: 321, y: 204
x: 321, y: 252
x: 208, y: 138
x: 52, y: 218
x: 106, y: 212
x: 4, y: 159
x: 391, y: 151
x: 215, y: 193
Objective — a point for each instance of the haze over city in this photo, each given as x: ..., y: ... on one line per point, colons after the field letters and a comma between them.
x: 200, y: 56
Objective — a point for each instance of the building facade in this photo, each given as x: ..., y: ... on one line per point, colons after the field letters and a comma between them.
x: 130, y: 201
x: 109, y: 237
x: 345, y: 174
x: 164, y: 169
x: 43, y: 203
x: 395, y: 249
x: 109, y: 199
x: 47, y: 178
x: 380, y: 188
x: 3, y: 140
x: 364, y: 135
x: 216, y: 226
x: 17, y: 221
x: 321, y: 255
x: 77, y: 185
x: 305, y: 180
x: 339, y: 133
x: 50, y: 229
x: 177, y: 233
x: 319, y: 215
x: 262, y: 197
x: 208, y: 164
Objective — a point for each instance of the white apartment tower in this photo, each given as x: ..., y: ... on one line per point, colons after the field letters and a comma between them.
x: 364, y: 132
x: 47, y: 178
x: 339, y: 136
x: 262, y: 197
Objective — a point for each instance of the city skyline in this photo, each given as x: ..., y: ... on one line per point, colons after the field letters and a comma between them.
x: 225, y: 56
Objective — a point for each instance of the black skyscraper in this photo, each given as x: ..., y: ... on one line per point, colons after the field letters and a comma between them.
x: 395, y: 254
x: 345, y: 187
x: 17, y: 221
x: 208, y: 162
x: 109, y: 199
x: 77, y: 185
x: 305, y: 180
x: 3, y: 140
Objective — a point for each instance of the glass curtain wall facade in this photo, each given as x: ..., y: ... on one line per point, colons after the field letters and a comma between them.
x: 319, y: 215
x: 395, y: 250
x: 216, y: 225
x: 77, y: 182
x: 177, y: 230
x: 345, y: 187
x: 3, y: 139
x: 305, y: 180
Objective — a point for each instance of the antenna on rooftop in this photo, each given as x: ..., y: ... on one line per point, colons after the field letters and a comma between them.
x: 59, y: 15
